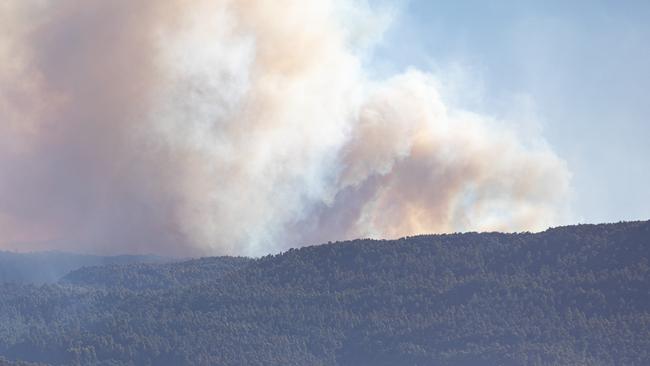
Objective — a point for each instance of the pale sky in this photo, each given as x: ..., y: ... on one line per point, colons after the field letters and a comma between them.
x: 580, y: 69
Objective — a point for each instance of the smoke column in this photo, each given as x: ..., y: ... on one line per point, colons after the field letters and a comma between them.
x: 239, y: 127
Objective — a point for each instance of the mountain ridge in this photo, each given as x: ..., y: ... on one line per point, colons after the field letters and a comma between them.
x: 576, y: 295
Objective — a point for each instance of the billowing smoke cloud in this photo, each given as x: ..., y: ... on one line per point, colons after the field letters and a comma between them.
x: 239, y: 127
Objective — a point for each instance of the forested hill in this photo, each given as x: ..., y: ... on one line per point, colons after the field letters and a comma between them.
x: 155, y: 276
x: 576, y: 295
x: 49, y: 267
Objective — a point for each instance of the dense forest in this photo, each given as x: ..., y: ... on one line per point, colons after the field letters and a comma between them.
x: 576, y: 295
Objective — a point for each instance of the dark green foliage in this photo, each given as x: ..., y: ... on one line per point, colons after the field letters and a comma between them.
x: 569, y: 296
x: 5, y: 362
x: 144, y: 276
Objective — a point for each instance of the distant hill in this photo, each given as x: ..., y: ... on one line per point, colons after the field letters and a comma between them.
x: 577, y: 295
x: 49, y: 267
x: 155, y: 276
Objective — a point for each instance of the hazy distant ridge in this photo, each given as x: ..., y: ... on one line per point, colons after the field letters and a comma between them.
x: 49, y: 267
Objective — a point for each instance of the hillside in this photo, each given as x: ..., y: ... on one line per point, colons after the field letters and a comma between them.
x: 49, y: 267
x: 574, y: 295
x: 155, y: 276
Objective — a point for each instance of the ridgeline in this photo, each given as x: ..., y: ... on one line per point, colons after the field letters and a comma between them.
x: 577, y: 295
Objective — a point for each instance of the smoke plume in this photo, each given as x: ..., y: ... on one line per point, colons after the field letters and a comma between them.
x: 239, y: 127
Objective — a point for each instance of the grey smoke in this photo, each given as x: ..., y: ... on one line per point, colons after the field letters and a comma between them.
x: 239, y: 127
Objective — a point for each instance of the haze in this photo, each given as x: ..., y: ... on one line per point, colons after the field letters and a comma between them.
x: 247, y: 127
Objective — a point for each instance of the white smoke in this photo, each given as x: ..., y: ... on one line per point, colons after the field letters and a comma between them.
x: 239, y: 127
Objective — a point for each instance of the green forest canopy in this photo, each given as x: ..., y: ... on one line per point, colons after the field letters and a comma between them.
x: 577, y: 295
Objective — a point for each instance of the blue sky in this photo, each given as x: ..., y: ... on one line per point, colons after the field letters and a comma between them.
x: 579, y: 69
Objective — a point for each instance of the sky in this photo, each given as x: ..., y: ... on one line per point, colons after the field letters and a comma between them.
x: 246, y: 127
x: 578, y: 70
